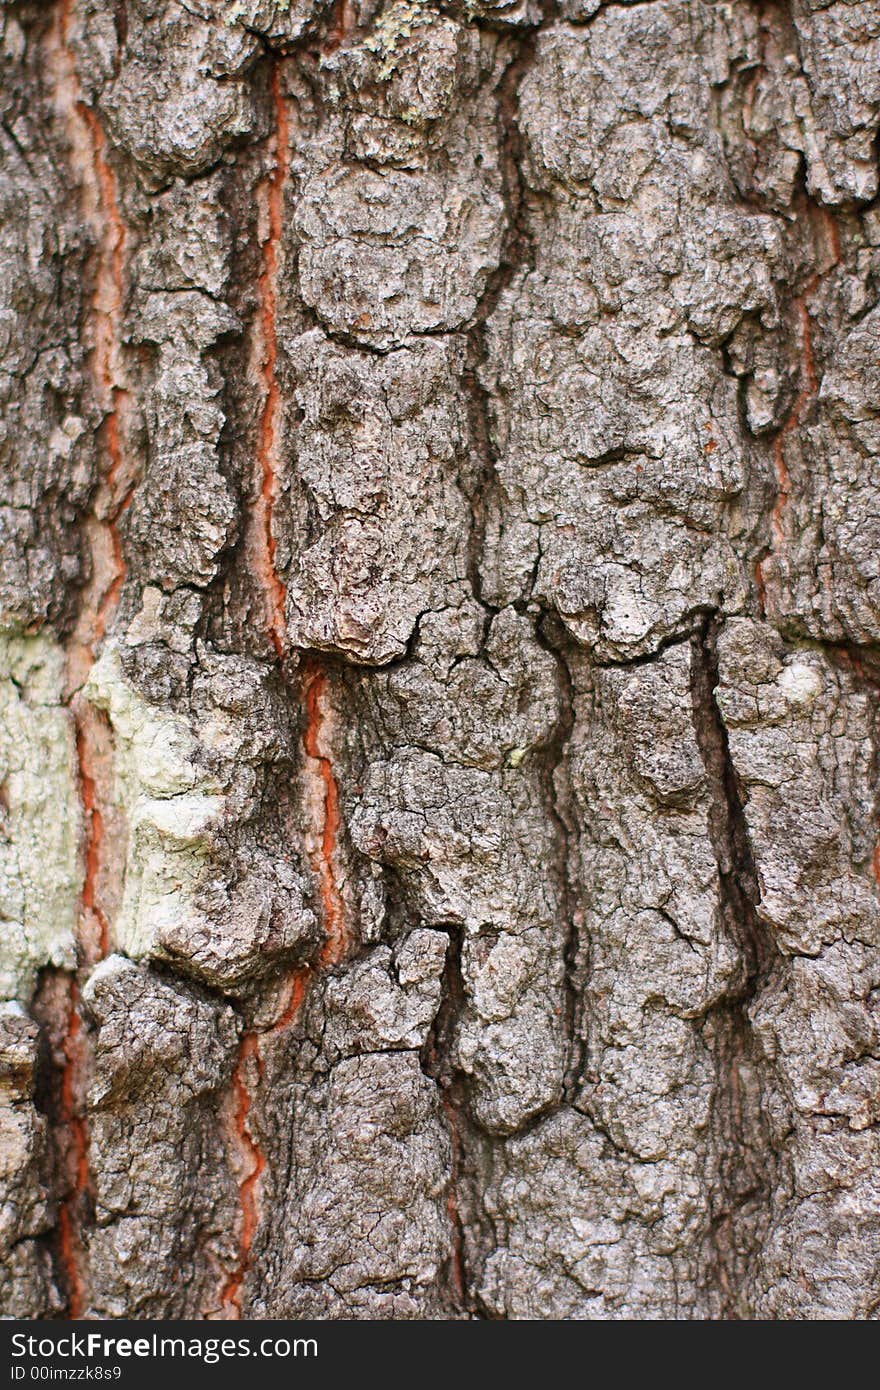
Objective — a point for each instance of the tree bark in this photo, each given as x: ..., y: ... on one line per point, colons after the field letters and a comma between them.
x: 439, y: 657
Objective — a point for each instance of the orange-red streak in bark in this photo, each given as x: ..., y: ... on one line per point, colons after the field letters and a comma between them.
x: 270, y: 419
x: 335, y: 948
x: 809, y: 388
x: 324, y: 858
x: 248, y: 1188
x: 276, y: 596
x: 107, y: 309
x: 94, y: 831
x: 75, y: 1125
x: 344, y: 21
x: 299, y: 987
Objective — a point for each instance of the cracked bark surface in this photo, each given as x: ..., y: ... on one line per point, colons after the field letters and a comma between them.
x: 439, y: 659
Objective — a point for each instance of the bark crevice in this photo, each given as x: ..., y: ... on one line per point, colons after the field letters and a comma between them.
x: 747, y: 1161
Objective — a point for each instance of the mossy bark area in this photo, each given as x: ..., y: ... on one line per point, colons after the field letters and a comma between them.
x: 439, y: 658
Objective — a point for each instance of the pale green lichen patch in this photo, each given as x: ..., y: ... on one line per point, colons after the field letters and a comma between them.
x: 170, y: 802
x: 395, y: 23
x: 40, y: 818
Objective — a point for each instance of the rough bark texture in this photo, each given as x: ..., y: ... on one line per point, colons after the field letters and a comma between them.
x: 440, y: 591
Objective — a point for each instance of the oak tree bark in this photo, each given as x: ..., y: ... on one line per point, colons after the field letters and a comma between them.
x: 439, y: 632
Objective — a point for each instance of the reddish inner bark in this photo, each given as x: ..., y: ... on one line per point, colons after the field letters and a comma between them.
x: 98, y: 612
x: 256, y: 1160
x: 336, y: 947
x: 74, y: 1126
x: 808, y: 390
x: 324, y: 859
x: 270, y: 419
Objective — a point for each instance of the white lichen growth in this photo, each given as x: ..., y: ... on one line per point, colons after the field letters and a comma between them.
x: 800, y: 683
x: 242, y: 10
x: 170, y: 803
x: 40, y: 818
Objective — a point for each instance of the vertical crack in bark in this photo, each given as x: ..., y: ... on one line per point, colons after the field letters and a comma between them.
x: 554, y: 756
x: 728, y: 830
x: 73, y: 1123
x: 263, y: 550
x: 108, y: 307
x: 326, y: 821
x: 254, y: 1162
x: 94, y: 829
x: 436, y: 1061
x: 457, y: 1267
x: 265, y: 546
x: 98, y: 187
x: 59, y: 1075
x: 746, y: 1160
x: 252, y: 1158
x: 97, y: 181
x: 436, y: 1055
x: 515, y: 253
x: 298, y: 986
x: 807, y: 392
x: 323, y: 791
x: 323, y: 800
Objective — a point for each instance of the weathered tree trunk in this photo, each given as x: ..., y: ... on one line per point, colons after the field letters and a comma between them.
x: 440, y: 594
